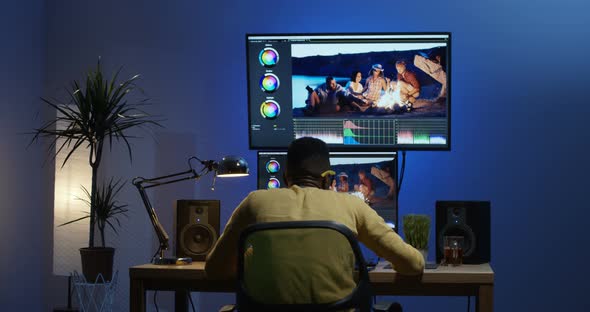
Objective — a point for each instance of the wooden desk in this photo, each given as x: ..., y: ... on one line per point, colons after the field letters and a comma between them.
x: 465, y: 280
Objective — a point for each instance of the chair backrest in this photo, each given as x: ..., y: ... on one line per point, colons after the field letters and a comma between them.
x: 301, y: 266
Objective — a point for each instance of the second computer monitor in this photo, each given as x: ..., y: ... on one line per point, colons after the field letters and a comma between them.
x: 370, y: 176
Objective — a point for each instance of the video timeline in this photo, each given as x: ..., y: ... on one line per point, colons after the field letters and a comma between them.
x: 373, y: 132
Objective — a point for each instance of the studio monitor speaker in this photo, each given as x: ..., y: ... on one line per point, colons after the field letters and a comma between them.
x: 197, y: 228
x: 470, y: 219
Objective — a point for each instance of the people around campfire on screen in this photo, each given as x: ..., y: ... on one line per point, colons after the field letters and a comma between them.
x: 343, y: 182
x: 407, y: 83
x: 355, y: 90
x: 365, y: 186
x: 375, y: 83
x: 333, y: 186
x: 328, y: 97
x: 331, y: 97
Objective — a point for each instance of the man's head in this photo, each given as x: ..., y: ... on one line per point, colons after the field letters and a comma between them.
x: 400, y: 66
x: 362, y: 174
x: 308, y: 163
x: 330, y: 83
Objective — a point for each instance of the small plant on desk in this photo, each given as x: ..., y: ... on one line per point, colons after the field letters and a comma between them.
x: 416, y: 231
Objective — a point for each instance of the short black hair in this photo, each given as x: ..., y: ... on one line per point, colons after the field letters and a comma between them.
x: 328, y: 79
x: 354, y: 73
x: 308, y: 156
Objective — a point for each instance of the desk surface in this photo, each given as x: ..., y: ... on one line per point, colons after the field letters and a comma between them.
x: 464, y: 280
x: 463, y: 274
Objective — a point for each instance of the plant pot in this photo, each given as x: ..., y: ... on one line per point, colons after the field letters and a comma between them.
x: 97, y: 260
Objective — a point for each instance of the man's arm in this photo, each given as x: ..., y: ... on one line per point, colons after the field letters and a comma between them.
x: 342, y: 92
x: 379, y: 237
x: 369, y: 183
x: 385, y: 84
x: 321, y: 92
x: 222, y: 261
x: 413, y: 80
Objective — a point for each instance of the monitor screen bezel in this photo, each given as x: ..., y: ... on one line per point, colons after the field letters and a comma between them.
x: 360, y: 148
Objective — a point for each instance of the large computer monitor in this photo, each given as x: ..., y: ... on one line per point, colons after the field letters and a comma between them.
x: 318, y: 85
x: 380, y: 169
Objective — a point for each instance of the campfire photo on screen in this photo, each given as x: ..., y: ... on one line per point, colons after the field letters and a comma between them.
x: 377, y: 79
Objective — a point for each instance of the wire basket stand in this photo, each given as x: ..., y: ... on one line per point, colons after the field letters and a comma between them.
x: 97, y: 296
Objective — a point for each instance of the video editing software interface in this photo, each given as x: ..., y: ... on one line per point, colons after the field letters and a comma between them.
x: 370, y: 176
x: 391, y: 91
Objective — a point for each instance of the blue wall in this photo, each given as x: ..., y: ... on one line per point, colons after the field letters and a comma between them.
x: 25, y: 215
x: 519, y: 104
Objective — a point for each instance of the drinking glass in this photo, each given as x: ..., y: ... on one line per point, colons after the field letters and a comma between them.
x: 453, y: 250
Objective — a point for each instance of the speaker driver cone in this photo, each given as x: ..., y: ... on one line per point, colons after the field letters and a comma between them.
x: 197, y: 239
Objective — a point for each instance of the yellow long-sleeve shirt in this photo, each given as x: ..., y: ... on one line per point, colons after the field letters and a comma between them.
x: 308, y: 203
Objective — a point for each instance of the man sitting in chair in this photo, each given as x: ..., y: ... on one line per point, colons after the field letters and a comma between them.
x: 308, y: 198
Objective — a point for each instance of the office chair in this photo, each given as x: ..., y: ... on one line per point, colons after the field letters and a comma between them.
x: 301, y: 266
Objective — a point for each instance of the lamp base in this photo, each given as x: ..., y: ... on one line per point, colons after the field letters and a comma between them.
x: 171, y: 261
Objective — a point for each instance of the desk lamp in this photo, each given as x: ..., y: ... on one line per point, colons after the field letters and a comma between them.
x: 229, y: 166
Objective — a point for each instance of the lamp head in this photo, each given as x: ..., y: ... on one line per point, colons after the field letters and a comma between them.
x: 232, y: 166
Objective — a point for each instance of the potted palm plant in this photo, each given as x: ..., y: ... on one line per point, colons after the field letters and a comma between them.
x: 108, y: 210
x: 98, y: 112
x: 416, y: 231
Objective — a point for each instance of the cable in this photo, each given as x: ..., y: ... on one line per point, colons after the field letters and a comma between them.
x: 188, y: 293
x: 157, y: 252
x: 402, y: 171
x: 156, y: 292
x: 468, y: 303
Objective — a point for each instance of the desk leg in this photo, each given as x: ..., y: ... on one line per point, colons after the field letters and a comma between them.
x: 181, y: 300
x: 137, y: 296
x: 484, y: 301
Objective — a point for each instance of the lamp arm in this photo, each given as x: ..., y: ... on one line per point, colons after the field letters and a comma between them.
x: 153, y: 182
x: 160, y: 232
x: 230, y: 165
